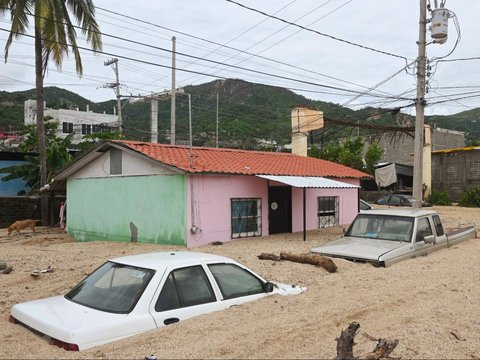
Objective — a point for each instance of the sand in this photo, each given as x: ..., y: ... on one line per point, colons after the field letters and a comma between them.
x: 430, y: 304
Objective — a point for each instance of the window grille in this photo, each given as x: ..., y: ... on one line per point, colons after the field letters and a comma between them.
x: 246, y: 215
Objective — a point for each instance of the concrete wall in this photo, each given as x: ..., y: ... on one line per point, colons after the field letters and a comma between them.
x: 148, y: 208
x: 453, y: 172
x: 399, y: 148
x: 28, y: 207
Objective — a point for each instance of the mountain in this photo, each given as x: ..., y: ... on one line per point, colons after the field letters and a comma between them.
x: 247, y: 111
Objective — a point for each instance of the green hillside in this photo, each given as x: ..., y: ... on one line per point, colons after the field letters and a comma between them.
x: 247, y: 111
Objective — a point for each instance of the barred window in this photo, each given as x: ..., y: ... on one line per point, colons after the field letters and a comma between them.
x: 246, y: 217
x: 328, y: 211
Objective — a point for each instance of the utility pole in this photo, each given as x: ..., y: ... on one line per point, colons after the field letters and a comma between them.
x: 420, y: 108
x: 153, y: 98
x: 172, y: 108
x: 154, y: 117
x: 114, y: 63
x: 216, y: 133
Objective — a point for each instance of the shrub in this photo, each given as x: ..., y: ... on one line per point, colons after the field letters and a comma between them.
x: 471, y: 198
x: 439, y: 198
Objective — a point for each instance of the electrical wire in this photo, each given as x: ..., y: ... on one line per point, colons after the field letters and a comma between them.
x: 320, y: 33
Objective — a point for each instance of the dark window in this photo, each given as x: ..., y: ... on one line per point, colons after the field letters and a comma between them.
x: 423, y: 229
x: 86, y: 129
x: 185, y: 287
x: 67, y: 127
x: 246, y: 217
x: 328, y: 213
x: 235, y: 281
x: 115, y: 161
x: 438, y: 225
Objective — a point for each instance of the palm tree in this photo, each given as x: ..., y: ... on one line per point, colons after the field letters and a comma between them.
x: 55, y: 35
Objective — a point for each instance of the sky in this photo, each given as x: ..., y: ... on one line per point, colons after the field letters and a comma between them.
x: 351, y: 52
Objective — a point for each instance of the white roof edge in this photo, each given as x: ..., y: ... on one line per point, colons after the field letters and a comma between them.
x: 309, y: 182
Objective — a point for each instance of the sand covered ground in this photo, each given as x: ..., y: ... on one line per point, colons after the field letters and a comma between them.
x: 430, y: 304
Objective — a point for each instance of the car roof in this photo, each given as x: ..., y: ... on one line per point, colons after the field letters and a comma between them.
x: 400, y: 212
x: 161, y: 260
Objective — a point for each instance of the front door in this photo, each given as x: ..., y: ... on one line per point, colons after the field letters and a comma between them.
x: 279, y: 209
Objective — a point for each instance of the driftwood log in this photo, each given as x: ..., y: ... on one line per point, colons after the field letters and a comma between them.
x: 346, y: 342
x: 312, y: 259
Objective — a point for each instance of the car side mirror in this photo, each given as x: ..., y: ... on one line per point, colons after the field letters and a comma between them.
x: 268, y: 287
x: 430, y: 239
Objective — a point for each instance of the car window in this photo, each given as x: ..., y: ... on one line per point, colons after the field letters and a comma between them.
x: 112, y: 287
x: 364, y: 205
x: 395, y: 200
x: 423, y: 229
x: 406, y: 201
x: 395, y: 228
x: 185, y: 287
x: 438, y: 225
x: 235, y: 281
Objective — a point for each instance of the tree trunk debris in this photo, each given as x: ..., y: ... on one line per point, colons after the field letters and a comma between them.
x: 312, y: 259
x: 346, y: 342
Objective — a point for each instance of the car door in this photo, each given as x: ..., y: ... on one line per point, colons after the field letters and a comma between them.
x: 424, y: 228
x: 185, y: 292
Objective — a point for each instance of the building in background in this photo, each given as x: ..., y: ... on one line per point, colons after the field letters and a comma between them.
x: 80, y: 123
x: 456, y: 170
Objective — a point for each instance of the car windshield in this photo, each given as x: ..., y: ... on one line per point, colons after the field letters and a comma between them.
x: 112, y: 288
x: 396, y: 228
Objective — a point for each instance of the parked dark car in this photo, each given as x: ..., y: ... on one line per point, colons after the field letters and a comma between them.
x: 363, y: 205
x: 398, y: 200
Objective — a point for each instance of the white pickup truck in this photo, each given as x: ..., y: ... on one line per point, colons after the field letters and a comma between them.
x: 384, y: 237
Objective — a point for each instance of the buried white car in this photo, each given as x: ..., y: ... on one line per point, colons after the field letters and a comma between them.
x: 134, y: 294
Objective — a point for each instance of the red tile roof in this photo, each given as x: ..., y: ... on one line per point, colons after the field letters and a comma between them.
x: 233, y: 161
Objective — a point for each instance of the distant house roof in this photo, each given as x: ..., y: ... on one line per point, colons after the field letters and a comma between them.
x: 240, y: 162
x: 447, y: 151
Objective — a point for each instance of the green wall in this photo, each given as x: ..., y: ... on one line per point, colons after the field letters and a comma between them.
x: 102, y: 209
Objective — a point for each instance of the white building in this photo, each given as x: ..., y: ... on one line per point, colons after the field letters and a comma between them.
x: 73, y: 121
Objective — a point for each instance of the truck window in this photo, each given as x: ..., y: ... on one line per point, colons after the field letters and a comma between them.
x: 423, y: 229
x: 438, y: 225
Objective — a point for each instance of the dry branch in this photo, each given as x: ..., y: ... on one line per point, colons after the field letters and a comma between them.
x: 346, y: 342
x: 312, y: 259
x: 268, y: 256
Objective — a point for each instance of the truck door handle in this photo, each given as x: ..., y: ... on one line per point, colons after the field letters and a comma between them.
x: 170, y: 321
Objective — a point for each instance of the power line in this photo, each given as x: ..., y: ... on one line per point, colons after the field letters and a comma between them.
x: 319, y: 33
x: 229, y: 47
x: 186, y: 70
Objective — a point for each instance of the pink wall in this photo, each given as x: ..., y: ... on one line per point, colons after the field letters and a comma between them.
x: 211, y: 205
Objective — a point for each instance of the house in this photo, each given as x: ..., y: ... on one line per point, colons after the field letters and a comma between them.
x: 165, y: 194
x: 80, y: 123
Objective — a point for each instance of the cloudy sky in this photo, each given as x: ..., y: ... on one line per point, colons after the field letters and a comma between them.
x: 346, y: 48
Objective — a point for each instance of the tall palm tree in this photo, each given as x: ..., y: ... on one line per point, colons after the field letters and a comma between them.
x: 55, y: 35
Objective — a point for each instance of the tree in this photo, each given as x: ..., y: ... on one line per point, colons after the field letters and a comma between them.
x: 372, y: 156
x: 349, y: 153
x: 54, y: 35
x: 57, y: 155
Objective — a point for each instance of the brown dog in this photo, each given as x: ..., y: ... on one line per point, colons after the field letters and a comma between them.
x: 22, y: 224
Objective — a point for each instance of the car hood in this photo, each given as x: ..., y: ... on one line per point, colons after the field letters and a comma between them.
x: 358, y: 248
x: 72, y: 323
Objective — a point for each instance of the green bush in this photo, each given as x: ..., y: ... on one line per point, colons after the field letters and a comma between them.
x: 439, y: 198
x: 471, y: 198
